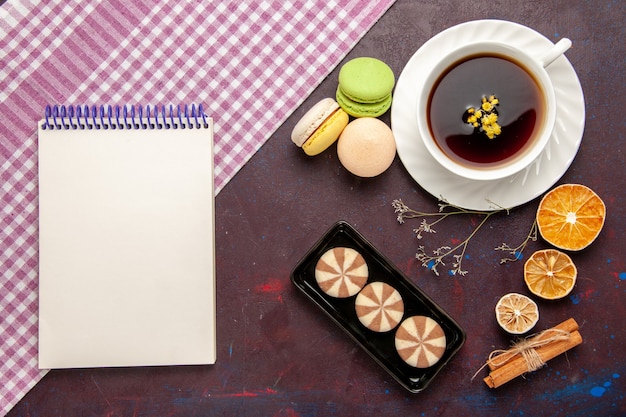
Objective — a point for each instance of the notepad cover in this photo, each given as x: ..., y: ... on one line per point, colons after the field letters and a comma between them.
x: 126, y: 248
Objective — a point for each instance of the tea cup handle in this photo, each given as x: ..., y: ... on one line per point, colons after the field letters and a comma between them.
x: 556, y: 51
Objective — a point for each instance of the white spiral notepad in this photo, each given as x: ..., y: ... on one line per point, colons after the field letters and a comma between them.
x: 126, y: 237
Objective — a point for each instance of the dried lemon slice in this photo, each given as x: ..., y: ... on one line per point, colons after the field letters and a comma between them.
x: 550, y: 274
x: 571, y: 216
x: 516, y: 313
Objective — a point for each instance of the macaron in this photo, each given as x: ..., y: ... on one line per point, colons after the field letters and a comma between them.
x: 365, y: 87
x: 356, y: 109
x: 366, y: 147
x: 319, y: 127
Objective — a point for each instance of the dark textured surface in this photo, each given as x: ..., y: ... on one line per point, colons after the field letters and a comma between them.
x: 278, y: 355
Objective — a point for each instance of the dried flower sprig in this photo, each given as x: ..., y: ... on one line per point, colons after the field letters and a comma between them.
x: 516, y: 252
x: 485, y: 118
x: 446, y: 210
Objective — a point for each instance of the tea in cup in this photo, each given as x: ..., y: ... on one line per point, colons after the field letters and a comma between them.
x: 488, y: 109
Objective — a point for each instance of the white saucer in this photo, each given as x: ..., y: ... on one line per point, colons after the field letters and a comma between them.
x: 516, y: 189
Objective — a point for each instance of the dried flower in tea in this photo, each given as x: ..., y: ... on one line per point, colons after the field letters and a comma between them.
x: 485, y: 118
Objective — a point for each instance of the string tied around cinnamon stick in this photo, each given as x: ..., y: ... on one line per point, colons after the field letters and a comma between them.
x: 531, y: 353
x: 527, y: 349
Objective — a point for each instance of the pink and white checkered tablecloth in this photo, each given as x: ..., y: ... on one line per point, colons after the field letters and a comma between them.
x: 250, y: 63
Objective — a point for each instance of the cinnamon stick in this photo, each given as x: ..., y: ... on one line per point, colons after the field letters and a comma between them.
x: 503, y: 372
x: 568, y: 325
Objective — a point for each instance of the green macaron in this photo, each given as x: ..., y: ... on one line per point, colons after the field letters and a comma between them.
x: 358, y: 109
x: 365, y: 86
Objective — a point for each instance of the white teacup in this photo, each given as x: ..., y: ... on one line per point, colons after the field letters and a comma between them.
x: 543, y: 123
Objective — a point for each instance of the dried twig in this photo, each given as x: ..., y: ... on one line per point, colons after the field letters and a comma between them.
x: 438, y: 256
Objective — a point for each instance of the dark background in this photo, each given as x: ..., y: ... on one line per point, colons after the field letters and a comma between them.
x: 278, y: 355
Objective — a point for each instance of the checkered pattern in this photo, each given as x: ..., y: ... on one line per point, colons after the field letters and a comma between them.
x: 250, y: 63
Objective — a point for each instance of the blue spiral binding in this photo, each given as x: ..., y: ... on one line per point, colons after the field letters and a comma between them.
x: 60, y: 117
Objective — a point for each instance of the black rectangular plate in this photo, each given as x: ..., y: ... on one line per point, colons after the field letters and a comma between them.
x: 380, y: 346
